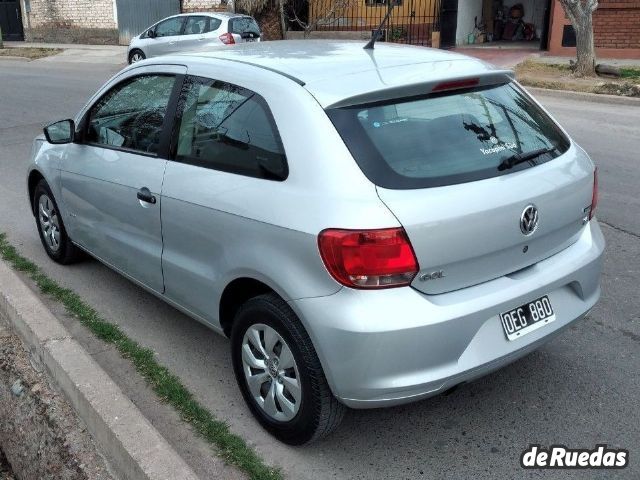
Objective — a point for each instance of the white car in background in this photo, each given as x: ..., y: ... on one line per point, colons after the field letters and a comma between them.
x: 193, y: 31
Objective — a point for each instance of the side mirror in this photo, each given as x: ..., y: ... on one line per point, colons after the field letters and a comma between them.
x: 151, y: 33
x: 60, y: 132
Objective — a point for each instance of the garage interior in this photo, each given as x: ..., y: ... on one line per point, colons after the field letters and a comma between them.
x: 521, y: 24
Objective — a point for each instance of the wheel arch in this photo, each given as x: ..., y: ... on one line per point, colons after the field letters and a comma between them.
x: 35, y: 176
x: 235, y: 294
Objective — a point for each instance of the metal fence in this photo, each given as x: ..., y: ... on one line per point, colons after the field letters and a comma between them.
x: 412, y: 21
x: 136, y: 15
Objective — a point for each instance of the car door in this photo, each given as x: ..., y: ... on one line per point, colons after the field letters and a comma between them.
x: 167, y: 36
x: 194, y: 33
x: 228, y: 154
x: 111, y: 178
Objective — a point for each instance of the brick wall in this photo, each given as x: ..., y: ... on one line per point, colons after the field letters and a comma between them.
x: 77, y: 13
x: 71, y: 21
x: 204, y: 5
x: 616, y: 24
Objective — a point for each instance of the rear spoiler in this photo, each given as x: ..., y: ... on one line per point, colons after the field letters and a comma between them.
x: 493, y: 77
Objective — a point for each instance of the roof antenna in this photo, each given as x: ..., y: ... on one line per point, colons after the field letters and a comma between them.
x: 372, y: 42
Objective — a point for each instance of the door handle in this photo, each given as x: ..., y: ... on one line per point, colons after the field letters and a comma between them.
x: 145, y: 195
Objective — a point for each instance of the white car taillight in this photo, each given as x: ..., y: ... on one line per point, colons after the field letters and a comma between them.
x: 227, y: 39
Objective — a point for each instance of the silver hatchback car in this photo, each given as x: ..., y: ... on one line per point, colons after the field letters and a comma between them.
x: 193, y: 31
x: 369, y: 227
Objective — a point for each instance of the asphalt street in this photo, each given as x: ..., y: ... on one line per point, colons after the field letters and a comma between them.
x: 581, y: 389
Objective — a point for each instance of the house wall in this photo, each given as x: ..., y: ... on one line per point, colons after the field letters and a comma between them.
x: 70, y: 21
x: 616, y: 26
x: 204, y: 5
x: 467, y: 11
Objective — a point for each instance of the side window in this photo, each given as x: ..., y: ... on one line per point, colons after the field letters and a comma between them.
x: 131, y: 115
x: 229, y: 128
x: 170, y: 27
x: 195, y: 25
x: 214, y: 24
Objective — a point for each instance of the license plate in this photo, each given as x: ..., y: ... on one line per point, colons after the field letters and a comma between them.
x: 527, y: 318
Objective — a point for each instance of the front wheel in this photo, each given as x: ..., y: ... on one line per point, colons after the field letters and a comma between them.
x: 279, y: 372
x: 136, y: 56
x: 53, y: 235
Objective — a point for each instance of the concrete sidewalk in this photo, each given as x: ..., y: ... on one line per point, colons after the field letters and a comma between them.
x: 135, y: 449
x: 75, y: 53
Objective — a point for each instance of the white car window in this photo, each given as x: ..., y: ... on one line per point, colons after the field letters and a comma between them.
x: 195, y: 26
x: 169, y: 27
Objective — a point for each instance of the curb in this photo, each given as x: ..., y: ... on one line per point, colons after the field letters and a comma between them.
x: 585, y: 97
x: 133, y: 446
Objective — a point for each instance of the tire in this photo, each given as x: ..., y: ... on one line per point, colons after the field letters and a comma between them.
x: 53, y: 235
x: 318, y: 412
x: 136, y: 56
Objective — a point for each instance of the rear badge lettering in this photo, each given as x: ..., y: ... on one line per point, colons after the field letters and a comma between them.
x: 432, y: 276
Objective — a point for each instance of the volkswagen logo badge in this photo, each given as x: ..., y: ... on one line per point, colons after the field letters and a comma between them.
x: 529, y: 220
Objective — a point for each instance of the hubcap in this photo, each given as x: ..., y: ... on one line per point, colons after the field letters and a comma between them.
x: 136, y: 57
x: 49, y: 222
x: 271, y: 372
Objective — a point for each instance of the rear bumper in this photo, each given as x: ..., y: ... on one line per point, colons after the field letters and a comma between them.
x: 387, y: 347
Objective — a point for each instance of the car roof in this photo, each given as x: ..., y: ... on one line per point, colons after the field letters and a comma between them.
x: 333, y: 71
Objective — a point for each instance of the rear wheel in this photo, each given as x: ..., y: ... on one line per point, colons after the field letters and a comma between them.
x: 136, y: 56
x: 51, y: 228
x: 279, y: 372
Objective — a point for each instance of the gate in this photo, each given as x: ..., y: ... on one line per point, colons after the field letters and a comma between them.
x: 11, y: 20
x: 411, y: 22
x: 449, y: 21
x: 134, y: 16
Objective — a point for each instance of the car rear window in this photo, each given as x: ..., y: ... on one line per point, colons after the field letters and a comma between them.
x: 242, y: 25
x: 449, y: 138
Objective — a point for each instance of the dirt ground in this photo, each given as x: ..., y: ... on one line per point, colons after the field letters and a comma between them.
x: 5, y: 468
x: 559, y: 77
x: 40, y: 433
x: 30, y: 53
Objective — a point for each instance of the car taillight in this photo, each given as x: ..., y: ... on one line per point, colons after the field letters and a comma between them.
x: 227, y: 39
x: 368, y: 258
x: 594, y: 196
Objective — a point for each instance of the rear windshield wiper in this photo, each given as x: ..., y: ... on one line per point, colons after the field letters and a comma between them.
x: 518, y: 158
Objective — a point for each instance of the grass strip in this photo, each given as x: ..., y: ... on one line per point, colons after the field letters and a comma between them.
x: 166, y: 385
x: 32, y: 53
x: 633, y: 73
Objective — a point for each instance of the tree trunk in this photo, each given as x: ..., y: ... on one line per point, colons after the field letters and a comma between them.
x: 580, y: 13
x: 586, y: 51
x: 283, y: 22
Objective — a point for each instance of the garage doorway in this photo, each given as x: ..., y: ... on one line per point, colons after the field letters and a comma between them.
x: 11, y: 20
x: 507, y: 24
x: 448, y: 21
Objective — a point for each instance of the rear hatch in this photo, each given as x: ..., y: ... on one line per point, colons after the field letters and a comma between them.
x: 244, y: 29
x: 451, y: 167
